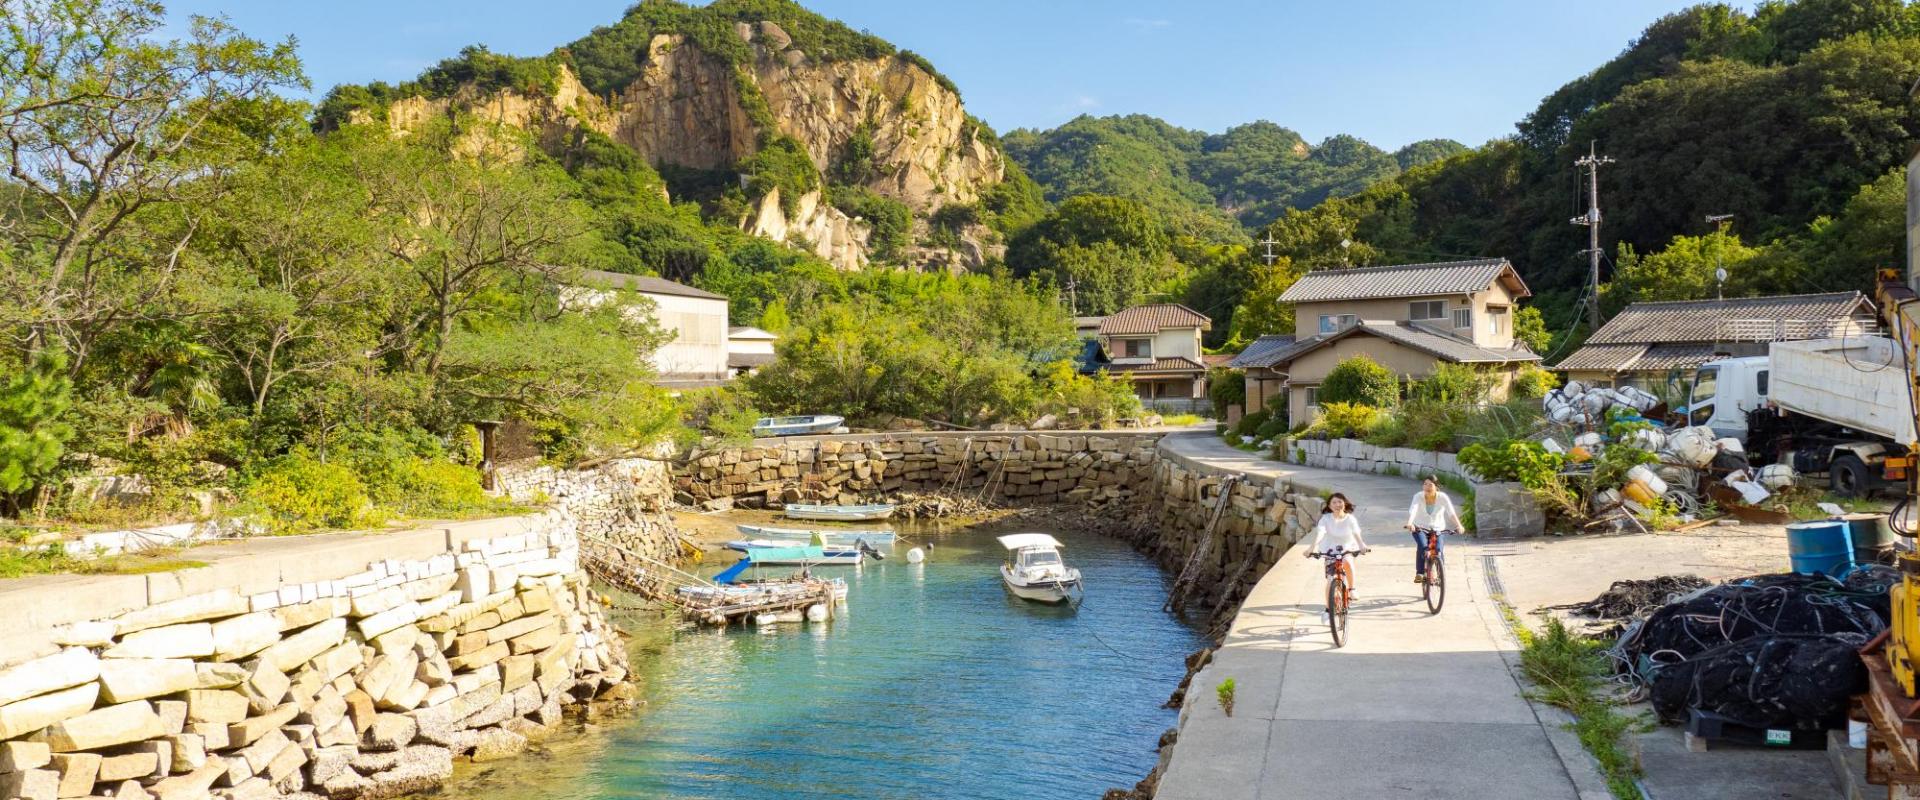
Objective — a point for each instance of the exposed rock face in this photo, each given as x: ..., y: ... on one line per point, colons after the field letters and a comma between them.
x: 816, y: 226
x: 686, y: 109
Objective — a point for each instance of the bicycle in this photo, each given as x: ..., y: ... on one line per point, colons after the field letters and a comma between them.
x: 1434, y: 588
x: 1339, y: 589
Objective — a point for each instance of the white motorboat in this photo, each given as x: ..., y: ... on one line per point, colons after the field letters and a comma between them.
x: 1034, y: 571
x: 797, y: 426
x: 801, y: 535
x: 743, y: 545
x: 839, y: 513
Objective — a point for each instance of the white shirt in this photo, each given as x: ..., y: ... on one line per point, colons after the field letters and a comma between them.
x: 1329, y: 533
x: 1435, y: 517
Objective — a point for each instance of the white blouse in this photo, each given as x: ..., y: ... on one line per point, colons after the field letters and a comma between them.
x: 1342, y: 532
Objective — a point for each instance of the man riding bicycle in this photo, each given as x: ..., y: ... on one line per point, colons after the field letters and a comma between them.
x: 1428, y: 516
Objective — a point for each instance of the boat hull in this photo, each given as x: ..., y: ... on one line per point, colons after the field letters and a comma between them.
x: 1051, y: 591
x: 838, y: 513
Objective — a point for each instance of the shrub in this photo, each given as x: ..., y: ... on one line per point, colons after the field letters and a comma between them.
x: 781, y: 164
x: 891, y: 221
x: 1453, y: 383
x: 1097, y: 399
x: 1250, y: 423
x: 1273, y: 428
x: 1525, y: 462
x: 33, y: 427
x: 1343, y: 420
x: 301, y: 493
x: 430, y: 488
x: 1362, y: 381
x: 1226, y: 387
x: 1532, y: 383
x: 724, y: 412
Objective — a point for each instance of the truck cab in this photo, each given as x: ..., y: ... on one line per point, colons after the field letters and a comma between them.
x: 1725, y: 391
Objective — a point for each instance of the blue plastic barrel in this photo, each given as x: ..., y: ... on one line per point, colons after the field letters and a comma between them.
x: 1825, y: 547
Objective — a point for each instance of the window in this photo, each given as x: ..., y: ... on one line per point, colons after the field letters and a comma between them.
x: 1313, y: 397
x: 1463, y: 318
x: 1501, y: 321
x: 1760, y: 382
x: 1334, y: 323
x: 1139, y: 348
x: 1427, y: 309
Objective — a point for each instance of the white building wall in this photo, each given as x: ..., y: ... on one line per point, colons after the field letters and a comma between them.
x: 699, y: 346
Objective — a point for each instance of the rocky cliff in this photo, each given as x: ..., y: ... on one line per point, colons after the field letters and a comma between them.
x: 691, y: 108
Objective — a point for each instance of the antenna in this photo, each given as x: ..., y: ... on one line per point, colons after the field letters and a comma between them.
x: 1592, y: 161
x: 1073, y: 299
x: 1719, y: 270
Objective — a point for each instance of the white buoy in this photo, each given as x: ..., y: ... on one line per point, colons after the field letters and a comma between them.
x: 916, y: 555
x: 764, y: 620
x: 817, y: 612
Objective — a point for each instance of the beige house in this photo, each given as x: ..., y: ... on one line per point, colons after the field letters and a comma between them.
x: 698, y: 354
x: 1409, y: 318
x: 1157, y: 347
x: 748, y: 349
x: 1648, y: 343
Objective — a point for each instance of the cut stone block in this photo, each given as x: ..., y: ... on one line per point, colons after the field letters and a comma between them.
x: 18, y: 756
x: 127, y: 679
x: 188, y: 640
x: 389, y: 732
x: 266, y: 687
x: 193, y: 608
x: 173, y: 715
x: 32, y: 784
x: 404, y: 696
x: 390, y: 619
x: 379, y: 675
x: 371, y: 603
x: 191, y: 786
x: 219, y: 675
x: 214, y: 734
x: 481, y: 658
x: 360, y: 708
x: 216, y: 705
x: 304, y: 646
x: 303, y: 614
x: 105, y: 727
x: 78, y: 772
x: 246, y: 732
x: 27, y: 716
x: 515, y: 672
x: 70, y: 667
x: 262, y: 751
x: 333, y: 664
x: 287, y: 762
x: 128, y: 767
x: 538, y: 640
x: 397, y: 641
x: 189, y: 751
x: 242, y: 636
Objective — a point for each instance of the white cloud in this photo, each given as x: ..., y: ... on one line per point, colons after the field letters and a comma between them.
x: 1146, y: 24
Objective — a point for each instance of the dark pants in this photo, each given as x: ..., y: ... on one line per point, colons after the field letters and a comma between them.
x: 1420, y: 550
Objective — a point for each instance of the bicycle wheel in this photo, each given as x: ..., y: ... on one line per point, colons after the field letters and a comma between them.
x: 1436, y: 589
x: 1337, y: 610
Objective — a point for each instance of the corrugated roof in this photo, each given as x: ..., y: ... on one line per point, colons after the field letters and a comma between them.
x: 1152, y: 318
x: 645, y: 284
x: 1404, y: 280
x: 750, y: 332
x: 1258, y: 354
x: 1672, y: 356
x: 1438, y: 345
x: 1602, y: 357
x: 1637, y: 357
x: 1701, y: 320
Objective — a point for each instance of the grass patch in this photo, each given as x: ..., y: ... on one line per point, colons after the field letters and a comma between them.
x: 54, y: 559
x: 1569, y: 673
x: 1804, y: 503
x: 1182, y: 420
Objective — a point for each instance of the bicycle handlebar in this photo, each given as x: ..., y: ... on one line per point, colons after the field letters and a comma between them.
x: 1340, y: 551
x: 1443, y: 531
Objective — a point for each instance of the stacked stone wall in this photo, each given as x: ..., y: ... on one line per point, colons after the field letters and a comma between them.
x: 1500, y: 509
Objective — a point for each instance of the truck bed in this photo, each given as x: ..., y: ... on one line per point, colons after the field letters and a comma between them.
x: 1859, y: 382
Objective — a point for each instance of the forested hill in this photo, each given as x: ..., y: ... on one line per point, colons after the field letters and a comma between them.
x: 1796, y: 119
x: 1203, y: 182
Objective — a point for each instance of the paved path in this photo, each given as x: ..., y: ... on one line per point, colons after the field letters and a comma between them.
x: 1414, y: 706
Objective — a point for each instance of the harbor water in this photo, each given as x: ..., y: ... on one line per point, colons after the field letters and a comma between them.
x: 933, y: 682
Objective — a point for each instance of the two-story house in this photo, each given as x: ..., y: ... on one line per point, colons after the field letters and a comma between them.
x: 1409, y: 318
x: 1157, y: 348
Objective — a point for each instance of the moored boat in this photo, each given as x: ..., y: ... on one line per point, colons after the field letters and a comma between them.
x: 1034, y: 570
x: 798, y: 425
x: 839, y: 513
x: 829, y: 536
x: 743, y: 545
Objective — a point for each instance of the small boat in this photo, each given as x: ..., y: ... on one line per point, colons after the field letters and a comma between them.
x: 743, y: 545
x: 1034, y: 571
x: 804, y: 556
x: 797, y: 426
x: 839, y: 513
x: 831, y: 537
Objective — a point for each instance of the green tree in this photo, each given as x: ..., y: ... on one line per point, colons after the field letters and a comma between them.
x: 1683, y: 270
x: 1111, y: 250
x: 34, y: 431
x: 1261, y: 312
x: 1530, y: 329
x: 1360, y: 380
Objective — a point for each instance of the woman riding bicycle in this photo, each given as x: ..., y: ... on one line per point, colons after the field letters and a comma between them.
x: 1431, y: 511
x: 1338, y: 527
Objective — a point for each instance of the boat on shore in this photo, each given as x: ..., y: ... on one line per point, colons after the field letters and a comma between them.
x: 839, y: 513
x: 744, y: 545
x: 798, y: 426
x: 800, y: 535
x: 1034, y: 570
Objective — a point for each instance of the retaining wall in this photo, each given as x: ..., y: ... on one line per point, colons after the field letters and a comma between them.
x: 1263, y: 517
x: 1500, y: 509
x: 339, y: 665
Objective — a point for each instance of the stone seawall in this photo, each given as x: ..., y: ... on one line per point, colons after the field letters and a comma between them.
x: 354, y: 665
x: 1261, y: 518
x: 1100, y: 467
x: 1500, y: 509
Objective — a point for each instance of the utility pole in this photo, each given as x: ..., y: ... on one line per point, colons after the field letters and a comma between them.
x: 1592, y: 161
x: 1269, y: 242
x: 1719, y: 269
x: 1073, y: 299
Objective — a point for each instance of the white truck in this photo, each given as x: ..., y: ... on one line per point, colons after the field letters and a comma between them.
x: 1838, y: 406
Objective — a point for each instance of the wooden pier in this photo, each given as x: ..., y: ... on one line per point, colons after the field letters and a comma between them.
x: 699, y: 599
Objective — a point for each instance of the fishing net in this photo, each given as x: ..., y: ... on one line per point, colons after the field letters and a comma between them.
x: 1775, y: 651
x: 1633, y: 598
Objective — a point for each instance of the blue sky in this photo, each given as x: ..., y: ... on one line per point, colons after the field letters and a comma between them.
x: 1389, y: 72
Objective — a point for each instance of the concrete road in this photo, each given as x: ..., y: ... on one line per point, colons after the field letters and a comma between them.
x: 1415, y: 705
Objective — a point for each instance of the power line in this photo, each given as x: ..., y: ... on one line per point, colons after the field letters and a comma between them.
x: 1592, y: 161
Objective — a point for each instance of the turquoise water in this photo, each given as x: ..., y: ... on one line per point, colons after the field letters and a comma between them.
x: 933, y: 683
